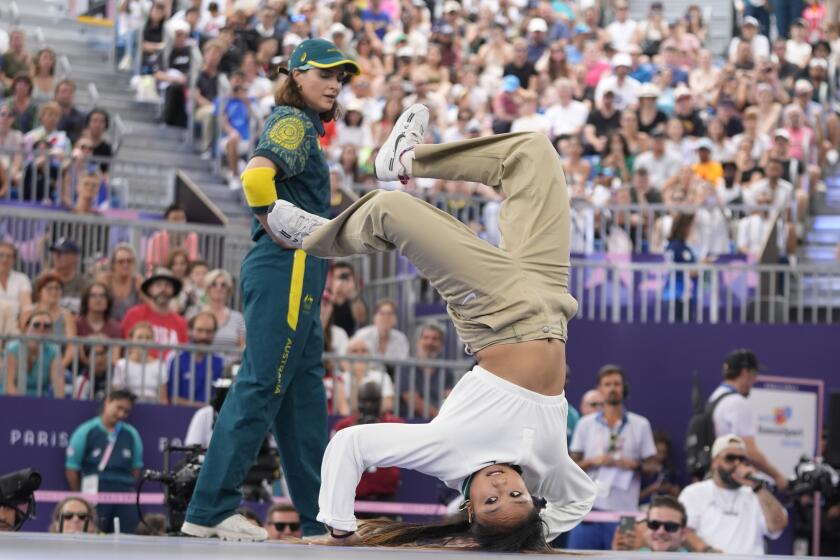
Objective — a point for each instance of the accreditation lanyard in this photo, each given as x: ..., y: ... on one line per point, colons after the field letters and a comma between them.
x: 112, y: 442
x: 611, y: 447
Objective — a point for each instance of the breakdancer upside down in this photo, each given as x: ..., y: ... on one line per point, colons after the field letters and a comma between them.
x: 500, y: 436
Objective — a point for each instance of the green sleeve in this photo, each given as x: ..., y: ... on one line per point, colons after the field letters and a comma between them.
x: 284, y: 140
x: 138, y: 448
x: 76, y: 448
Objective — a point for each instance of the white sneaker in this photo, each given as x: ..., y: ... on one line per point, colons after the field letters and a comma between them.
x: 234, y: 528
x: 290, y: 223
x: 407, y: 133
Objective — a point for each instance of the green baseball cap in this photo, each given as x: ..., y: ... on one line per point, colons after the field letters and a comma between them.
x: 320, y: 53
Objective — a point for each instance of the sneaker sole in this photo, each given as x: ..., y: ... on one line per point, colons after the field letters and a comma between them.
x: 210, y: 532
x: 389, y: 149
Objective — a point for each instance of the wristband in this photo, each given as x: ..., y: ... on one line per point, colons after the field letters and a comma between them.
x: 759, y: 486
x: 344, y: 536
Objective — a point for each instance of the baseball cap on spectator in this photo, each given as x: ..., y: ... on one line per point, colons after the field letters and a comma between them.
x: 179, y: 26
x: 656, y: 6
x: 649, y: 90
x: 537, y: 25
x: 818, y: 62
x: 749, y: 20
x: 728, y: 441
x: 803, y: 85
x: 798, y: 22
x: 704, y: 144
x: 473, y: 126
x: 291, y: 40
x: 582, y: 29
x: 742, y: 359
x: 65, y: 245
x: 681, y: 91
x: 405, y: 52
x: 781, y: 133
x: 320, y: 53
x: 658, y: 132
x: 622, y: 59
x: 339, y: 28
x: 510, y: 83
x: 162, y: 273
x: 451, y: 6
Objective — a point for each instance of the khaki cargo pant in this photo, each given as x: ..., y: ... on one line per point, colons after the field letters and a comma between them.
x: 495, y: 295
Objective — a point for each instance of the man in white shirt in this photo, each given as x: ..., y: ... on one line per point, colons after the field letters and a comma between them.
x: 568, y: 115
x: 529, y: 120
x: 661, y: 164
x: 749, y: 32
x: 732, y: 512
x: 613, y: 446
x: 622, y: 29
x: 733, y: 414
x: 780, y: 191
x: 382, y: 338
x: 626, y: 89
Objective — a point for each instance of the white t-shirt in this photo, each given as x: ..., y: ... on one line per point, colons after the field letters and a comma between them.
x: 621, y: 34
x: 626, y: 92
x: 729, y: 520
x: 618, y: 489
x: 397, y: 347
x: 732, y: 415
x: 659, y: 169
x: 566, y: 120
x: 484, y: 420
x: 144, y: 380
x: 10, y: 294
x: 379, y: 377
x: 201, y: 427
x: 797, y: 52
x: 531, y: 123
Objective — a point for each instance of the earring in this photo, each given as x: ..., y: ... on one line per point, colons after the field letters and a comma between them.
x: 466, y: 506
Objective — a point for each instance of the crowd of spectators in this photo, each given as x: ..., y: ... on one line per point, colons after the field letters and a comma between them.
x: 642, y: 112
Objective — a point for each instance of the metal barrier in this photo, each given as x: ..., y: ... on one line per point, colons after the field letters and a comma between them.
x: 419, y: 386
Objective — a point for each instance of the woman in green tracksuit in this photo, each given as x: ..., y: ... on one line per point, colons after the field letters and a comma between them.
x: 280, y: 383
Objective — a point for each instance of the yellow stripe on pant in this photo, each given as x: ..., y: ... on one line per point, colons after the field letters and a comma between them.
x: 296, y: 288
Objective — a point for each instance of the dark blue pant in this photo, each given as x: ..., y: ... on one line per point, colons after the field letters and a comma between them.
x: 786, y: 11
x: 279, y: 386
x: 592, y: 536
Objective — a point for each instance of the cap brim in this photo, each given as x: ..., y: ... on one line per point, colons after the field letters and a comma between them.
x: 351, y: 65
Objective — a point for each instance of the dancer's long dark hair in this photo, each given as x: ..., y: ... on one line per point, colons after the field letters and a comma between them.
x: 526, y: 536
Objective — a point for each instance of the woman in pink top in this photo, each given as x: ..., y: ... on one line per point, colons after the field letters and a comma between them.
x: 162, y: 242
x: 801, y: 137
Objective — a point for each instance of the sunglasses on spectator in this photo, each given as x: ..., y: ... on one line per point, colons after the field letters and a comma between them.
x: 732, y: 457
x: 280, y: 526
x: 595, y: 404
x: 80, y: 515
x: 669, y: 526
x: 39, y: 325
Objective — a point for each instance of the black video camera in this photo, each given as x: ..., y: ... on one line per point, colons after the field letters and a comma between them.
x: 812, y: 476
x: 18, y: 488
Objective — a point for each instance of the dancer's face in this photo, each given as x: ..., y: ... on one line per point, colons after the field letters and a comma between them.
x: 498, y: 496
x: 319, y: 87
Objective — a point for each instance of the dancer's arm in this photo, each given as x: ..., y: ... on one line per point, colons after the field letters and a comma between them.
x: 569, y: 495
x: 352, y: 451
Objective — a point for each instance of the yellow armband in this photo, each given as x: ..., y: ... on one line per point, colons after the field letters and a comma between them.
x: 258, y: 184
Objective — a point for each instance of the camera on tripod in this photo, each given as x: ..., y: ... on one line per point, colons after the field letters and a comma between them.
x: 18, y: 488
x: 812, y: 476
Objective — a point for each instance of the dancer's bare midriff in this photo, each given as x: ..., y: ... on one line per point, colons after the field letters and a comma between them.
x: 537, y: 365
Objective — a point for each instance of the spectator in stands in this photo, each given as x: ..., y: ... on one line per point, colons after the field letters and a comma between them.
x: 92, y: 383
x: 602, y: 120
x: 591, y: 402
x: 66, y: 255
x: 687, y: 113
x: 282, y: 521
x: 87, y: 189
x: 153, y: 39
x: 706, y: 168
x: 663, y: 480
x: 614, y: 446
x: 96, y: 125
x: 105, y: 454
x: 175, y: 74
x: 16, y: 61
x: 192, y: 373
x: 72, y: 121
x: 750, y: 35
x: 425, y: 386
x: 730, y: 511
x: 206, y: 92
x: 95, y: 314
x: 529, y: 119
x: 33, y: 368
x: 624, y: 87
x: 48, y: 295
x: 358, y: 372
x: 780, y: 191
x: 681, y: 287
x: 235, y: 121
x: 43, y: 75
x: 193, y: 296
x: 662, y: 531
x: 140, y: 372
x: 568, y: 115
x: 349, y: 310
x: 506, y: 103
x: 381, y: 483
x: 218, y: 285
x: 15, y: 289
x: 169, y: 327
x: 160, y: 243
x: 72, y: 516
x: 123, y: 280
x: 383, y: 338
x: 23, y: 108
x: 733, y: 415
x: 661, y: 164
x: 335, y: 338
x: 11, y: 144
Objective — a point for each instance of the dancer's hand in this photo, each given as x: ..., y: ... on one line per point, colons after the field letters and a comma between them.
x: 263, y: 220
x: 329, y: 540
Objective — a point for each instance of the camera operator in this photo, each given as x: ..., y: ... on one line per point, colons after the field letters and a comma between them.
x: 811, y: 477
x: 8, y: 517
x: 377, y: 483
x: 733, y: 511
x: 17, y: 502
